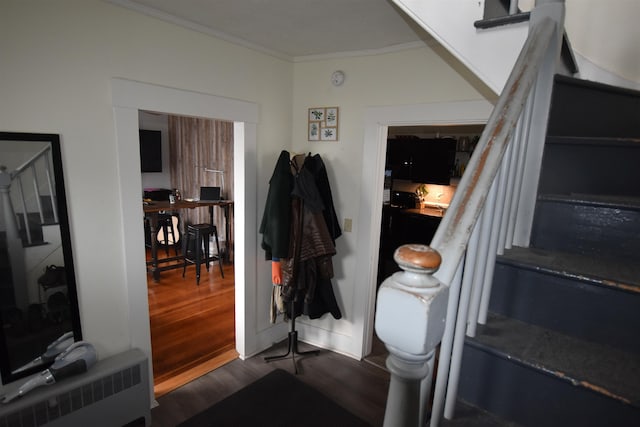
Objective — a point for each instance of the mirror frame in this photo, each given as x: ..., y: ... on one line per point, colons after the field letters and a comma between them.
x: 63, y: 220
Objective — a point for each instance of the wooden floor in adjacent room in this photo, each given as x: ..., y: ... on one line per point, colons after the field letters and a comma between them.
x: 358, y: 386
x: 192, y: 326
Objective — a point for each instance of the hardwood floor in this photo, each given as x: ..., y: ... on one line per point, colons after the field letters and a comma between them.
x: 192, y: 326
x: 359, y: 386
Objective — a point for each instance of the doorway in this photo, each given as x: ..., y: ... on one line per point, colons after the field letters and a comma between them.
x: 414, y: 201
x: 378, y: 120
x: 192, y: 322
x: 128, y: 97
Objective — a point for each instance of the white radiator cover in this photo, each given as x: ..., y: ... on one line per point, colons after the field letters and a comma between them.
x: 114, y: 392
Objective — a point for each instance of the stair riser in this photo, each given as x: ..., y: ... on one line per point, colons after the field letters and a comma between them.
x: 567, y: 305
x: 586, y: 109
x: 590, y: 167
x: 587, y: 229
x: 534, y: 398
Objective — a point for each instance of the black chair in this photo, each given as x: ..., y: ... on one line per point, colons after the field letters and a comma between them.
x: 197, y: 244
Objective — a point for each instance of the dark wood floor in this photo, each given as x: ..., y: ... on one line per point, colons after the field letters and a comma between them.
x: 359, y: 386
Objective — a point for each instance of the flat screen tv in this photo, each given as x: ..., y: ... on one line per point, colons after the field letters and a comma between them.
x: 150, y: 150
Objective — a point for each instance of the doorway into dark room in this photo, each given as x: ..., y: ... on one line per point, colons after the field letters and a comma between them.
x: 420, y: 181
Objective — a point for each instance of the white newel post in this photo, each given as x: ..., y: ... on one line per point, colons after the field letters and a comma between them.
x: 410, y: 318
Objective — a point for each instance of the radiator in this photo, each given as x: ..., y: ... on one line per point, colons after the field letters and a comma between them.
x: 114, y: 392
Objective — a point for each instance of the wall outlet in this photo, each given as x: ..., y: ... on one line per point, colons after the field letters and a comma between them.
x: 347, y: 225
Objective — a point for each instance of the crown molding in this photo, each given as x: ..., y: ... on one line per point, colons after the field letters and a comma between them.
x: 185, y: 23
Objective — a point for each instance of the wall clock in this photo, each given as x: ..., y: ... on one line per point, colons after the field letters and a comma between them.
x: 337, y: 78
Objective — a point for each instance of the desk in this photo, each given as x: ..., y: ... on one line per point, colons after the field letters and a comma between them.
x: 151, y: 210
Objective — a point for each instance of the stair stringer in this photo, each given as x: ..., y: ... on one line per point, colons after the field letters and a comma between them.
x: 489, y: 54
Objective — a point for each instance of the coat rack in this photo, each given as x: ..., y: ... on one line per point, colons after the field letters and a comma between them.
x: 292, y: 344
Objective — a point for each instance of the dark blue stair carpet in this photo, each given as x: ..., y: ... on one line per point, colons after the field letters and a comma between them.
x: 602, y: 369
x: 606, y: 272
x: 592, y: 298
x: 602, y: 226
x: 584, y: 165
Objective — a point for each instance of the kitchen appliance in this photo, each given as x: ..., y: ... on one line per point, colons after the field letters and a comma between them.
x: 404, y: 199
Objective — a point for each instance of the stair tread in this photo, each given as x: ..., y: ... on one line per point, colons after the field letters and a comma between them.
x: 600, y: 368
x: 467, y: 415
x: 608, y: 272
x: 592, y: 84
x: 604, y: 200
x: 608, y: 141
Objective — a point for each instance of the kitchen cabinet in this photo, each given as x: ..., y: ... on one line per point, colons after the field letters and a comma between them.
x: 399, y: 157
x: 429, y: 161
x: 433, y: 161
x: 401, y: 226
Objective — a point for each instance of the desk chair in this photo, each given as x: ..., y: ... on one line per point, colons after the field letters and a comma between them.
x: 197, y: 244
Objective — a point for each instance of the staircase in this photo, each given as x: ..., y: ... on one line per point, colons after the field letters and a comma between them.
x: 29, y: 230
x: 561, y: 345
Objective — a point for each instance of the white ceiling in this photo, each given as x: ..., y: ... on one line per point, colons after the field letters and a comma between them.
x: 292, y: 29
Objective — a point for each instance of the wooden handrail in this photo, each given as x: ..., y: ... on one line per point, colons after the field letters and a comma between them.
x: 31, y: 161
x: 454, y: 231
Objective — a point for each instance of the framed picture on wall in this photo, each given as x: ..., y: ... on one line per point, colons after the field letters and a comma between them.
x: 323, y: 123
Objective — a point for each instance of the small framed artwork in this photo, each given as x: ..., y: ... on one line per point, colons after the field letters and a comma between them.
x: 323, y: 123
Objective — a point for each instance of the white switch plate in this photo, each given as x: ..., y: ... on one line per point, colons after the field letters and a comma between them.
x: 347, y: 225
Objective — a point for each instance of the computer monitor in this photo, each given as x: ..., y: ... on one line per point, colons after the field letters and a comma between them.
x: 209, y: 194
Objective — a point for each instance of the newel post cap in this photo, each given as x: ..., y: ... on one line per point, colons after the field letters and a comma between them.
x: 417, y: 257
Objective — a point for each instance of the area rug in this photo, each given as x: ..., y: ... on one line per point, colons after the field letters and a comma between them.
x: 277, y: 399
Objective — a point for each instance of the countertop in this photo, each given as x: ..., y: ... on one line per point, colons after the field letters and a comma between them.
x: 428, y: 210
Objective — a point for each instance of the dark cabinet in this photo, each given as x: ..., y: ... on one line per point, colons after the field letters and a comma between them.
x: 412, y: 228
x: 433, y: 161
x: 399, y: 227
x: 399, y: 158
x: 429, y: 161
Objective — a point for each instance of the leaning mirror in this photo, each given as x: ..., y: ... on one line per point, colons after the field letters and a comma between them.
x: 38, y: 303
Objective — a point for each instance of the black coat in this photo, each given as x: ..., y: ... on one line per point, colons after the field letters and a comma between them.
x: 307, y: 274
x: 276, y: 220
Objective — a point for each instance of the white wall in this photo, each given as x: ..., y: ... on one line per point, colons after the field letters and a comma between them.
x: 450, y: 23
x: 408, y: 77
x: 604, y: 35
x: 58, y: 61
x: 57, y: 68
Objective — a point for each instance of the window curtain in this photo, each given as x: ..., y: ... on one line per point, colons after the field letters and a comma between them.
x: 196, y: 144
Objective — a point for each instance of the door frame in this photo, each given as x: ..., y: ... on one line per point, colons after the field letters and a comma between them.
x: 128, y: 97
x: 377, y: 122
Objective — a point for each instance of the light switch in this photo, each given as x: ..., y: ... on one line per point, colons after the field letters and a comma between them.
x: 347, y: 225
